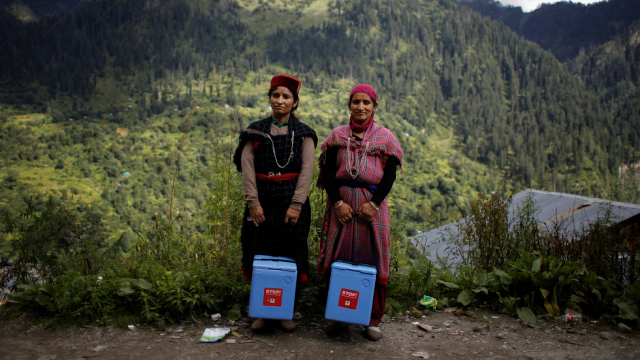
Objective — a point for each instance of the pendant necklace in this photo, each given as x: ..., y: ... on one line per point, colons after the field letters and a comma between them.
x: 290, y: 154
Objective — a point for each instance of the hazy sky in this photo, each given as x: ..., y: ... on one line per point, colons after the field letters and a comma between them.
x: 530, y: 5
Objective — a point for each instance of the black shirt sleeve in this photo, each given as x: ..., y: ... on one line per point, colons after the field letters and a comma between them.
x: 388, y: 178
x: 329, y: 170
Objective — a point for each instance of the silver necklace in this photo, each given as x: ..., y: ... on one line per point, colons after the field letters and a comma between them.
x: 359, y: 162
x: 293, y: 133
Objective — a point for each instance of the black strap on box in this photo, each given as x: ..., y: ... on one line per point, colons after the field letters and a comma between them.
x: 373, y: 250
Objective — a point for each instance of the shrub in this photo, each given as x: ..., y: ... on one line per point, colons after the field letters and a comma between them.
x: 167, y: 273
x: 51, y: 239
x: 510, y: 262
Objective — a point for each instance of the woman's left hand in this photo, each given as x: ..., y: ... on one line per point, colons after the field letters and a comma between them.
x: 366, y: 212
x: 292, y: 216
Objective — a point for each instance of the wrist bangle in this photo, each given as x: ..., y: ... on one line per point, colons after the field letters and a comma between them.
x: 375, y: 207
x: 337, y: 206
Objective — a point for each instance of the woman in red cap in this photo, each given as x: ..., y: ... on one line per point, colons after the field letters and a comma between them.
x: 358, y: 164
x: 276, y: 157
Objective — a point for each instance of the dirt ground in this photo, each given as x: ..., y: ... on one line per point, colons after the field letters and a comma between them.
x: 493, y: 338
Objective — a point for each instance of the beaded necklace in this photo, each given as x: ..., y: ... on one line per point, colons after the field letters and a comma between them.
x: 360, y: 162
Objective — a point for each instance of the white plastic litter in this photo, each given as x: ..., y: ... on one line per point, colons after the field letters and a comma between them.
x: 214, y: 334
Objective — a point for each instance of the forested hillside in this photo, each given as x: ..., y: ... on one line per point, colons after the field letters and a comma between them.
x: 514, y: 106
x: 14, y: 14
x: 31, y: 10
x: 564, y: 28
x: 612, y: 71
x: 97, y: 112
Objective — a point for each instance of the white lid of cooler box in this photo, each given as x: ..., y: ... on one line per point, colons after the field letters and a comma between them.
x: 266, y: 262
x: 361, y: 268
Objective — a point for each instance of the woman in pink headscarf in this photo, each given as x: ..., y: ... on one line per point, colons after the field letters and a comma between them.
x: 358, y: 167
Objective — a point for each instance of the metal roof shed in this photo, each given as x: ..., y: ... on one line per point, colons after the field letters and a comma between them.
x: 572, y: 212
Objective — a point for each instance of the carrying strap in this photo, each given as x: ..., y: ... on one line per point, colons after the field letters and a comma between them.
x: 372, y: 244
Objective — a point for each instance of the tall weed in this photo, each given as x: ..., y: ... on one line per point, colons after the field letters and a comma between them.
x: 514, y: 263
x: 490, y: 237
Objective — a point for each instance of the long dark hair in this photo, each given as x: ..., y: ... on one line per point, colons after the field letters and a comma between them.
x: 296, y: 99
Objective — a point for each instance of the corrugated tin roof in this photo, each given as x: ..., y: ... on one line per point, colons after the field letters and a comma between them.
x: 572, y: 212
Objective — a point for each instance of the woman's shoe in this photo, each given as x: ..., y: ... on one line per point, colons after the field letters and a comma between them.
x: 373, y: 333
x: 335, y: 327
x: 259, y: 324
x: 287, y: 325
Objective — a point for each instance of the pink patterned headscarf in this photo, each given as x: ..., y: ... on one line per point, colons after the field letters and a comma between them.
x: 366, y: 89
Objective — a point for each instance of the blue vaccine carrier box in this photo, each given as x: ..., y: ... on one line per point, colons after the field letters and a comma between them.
x: 351, y: 293
x: 273, y: 287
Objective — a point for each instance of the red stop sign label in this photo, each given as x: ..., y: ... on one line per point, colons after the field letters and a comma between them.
x: 272, y: 297
x: 348, y: 299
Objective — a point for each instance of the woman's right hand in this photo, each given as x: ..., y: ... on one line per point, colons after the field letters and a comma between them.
x: 257, y: 215
x: 344, y: 212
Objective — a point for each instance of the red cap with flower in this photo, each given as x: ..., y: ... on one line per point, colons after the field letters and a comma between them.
x: 287, y: 81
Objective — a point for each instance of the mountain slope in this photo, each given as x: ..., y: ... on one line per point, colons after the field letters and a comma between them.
x: 612, y: 71
x: 473, y: 104
x: 15, y: 14
x: 564, y: 27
